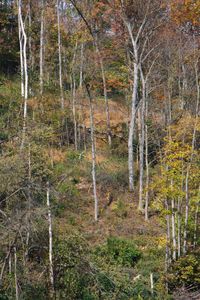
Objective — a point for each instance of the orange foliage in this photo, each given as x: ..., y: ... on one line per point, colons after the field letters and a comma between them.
x: 186, y: 11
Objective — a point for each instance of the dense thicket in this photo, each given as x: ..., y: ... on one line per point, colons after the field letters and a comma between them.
x: 99, y: 149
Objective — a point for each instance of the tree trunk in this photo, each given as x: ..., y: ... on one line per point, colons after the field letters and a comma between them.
x: 152, y: 283
x: 168, y: 243
x: 179, y: 227
x: 187, y: 200
x: 21, y: 49
x: 141, y: 153
x: 96, y: 213
x: 196, y: 225
x: 25, y: 72
x: 31, y: 59
x: 147, y: 165
x: 173, y: 229
x: 185, y: 233
x: 131, y: 129
x: 73, y: 88
x: 74, y: 111
x: 60, y: 57
x: 51, y: 275
x: 81, y: 67
x: 16, y: 280
x: 42, y: 48
x: 133, y: 107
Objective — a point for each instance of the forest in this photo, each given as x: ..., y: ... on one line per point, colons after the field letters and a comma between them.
x: 99, y: 149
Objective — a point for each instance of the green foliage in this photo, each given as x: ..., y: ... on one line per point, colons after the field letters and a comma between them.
x: 74, y: 156
x: 3, y: 295
x: 73, y: 279
x: 69, y: 189
x: 12, y: 173
x: 34, y: 291
x: 40, y: 163
x: 185, y: 271
x: 123, y: 252
x: 120, y: 251
x: 120, y: 208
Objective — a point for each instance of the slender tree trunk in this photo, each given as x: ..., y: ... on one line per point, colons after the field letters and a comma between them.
x: 141, y: 154
x: 42, y: 48
x: 74, y: 111
x: 179, y: 227
x: 184, y: 86
x: 173, y: 229
x: 187, y: 200
x: 51, y: 275
x: 16, y: 280
x: 21, y: 50
x: 10, y: 264
x: 29, y: 200
x: 131, y: 129
x: 67, y: 132
x: 152, y: 283
x: 168, y: 243
x: 73, y: 88
x: 133, y: 107
x: 85, y: 137
x: 196, y: 225
x: 60, y: 57
x: 31, y: 59
x: 185, y: 233
x: 96, y: 212
x: 81, y: 67
x: 25, y: 72
x: 147, y: 165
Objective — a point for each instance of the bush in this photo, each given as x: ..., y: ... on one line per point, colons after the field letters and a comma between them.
x: 120, y: 208
x: 185, y: 271
x: 120, y: 251
x: 74, y: 278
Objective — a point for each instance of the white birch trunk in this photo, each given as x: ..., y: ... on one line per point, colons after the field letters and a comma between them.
x: 16, y: 280
x: 147, y: 165
x: 25, y: 68
x: 60, y: 57
x: 196, y: 225
x: 131, y: 129
x: 96, y: 211
x: 21, y: 50
x: 74, y: 111
x: 187, y: 200
x: 81, y: 67
x: 133, y: 107
x: 42, y: 48
x: 173, y: 229
x: 168, y: 243
x: 10, y: 264
x: 152, y: 283
x: 179, y: 228
x: 141, y: 153
x: 51, y: 275
x: 185, y: 233
x: 31, y: 60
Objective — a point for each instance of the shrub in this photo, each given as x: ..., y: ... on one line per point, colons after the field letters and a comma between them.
x: 120, y: 251
x: 123, y: 251
x: 185, y: 271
